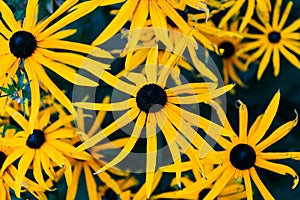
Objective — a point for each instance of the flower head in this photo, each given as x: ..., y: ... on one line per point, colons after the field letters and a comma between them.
x: 274, y: 39
x: 241, y: 155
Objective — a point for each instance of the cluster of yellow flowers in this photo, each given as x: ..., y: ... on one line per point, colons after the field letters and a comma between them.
x: 157, y: 127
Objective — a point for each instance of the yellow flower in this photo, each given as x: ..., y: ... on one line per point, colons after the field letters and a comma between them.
x: 241, y: 155
x: 42, y: 146
x: 275, y: 39
x: 151, y: 104
x: 229, y: 46
x: 29, y: 45
x: 262, y: 7
x: 8, y: 175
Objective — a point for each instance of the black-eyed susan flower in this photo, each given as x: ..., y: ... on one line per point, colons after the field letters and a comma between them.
x: 8, y: 176
x: 241, y: 155
x: 28, y: 45
x: 229, y: 46
x: 40, y: 146
x: 275, y: 39
x: 152, y: 105
x: 263, y: 9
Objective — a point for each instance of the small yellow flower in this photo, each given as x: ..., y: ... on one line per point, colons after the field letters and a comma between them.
x: 241, y: 155
x: 29, y: 45
x: 40, y: 144
x: 273, y: 40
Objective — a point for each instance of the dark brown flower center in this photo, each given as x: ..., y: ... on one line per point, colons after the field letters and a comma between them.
x: 242, y: 156
x: 36, y: 139
x: 228, y: 49
x: 182, y: 14
x: 274, y: 37
x: 151, y: 98
x: 22, y: 44
x: 2, y: 158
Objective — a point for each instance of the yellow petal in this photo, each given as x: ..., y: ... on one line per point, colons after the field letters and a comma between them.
x: 266, y: 120
x: 135, y: 135
x: 8, y: 17
x: 90, y: 182
x: 122, y: 121
x: 31, y: 15
x: 278, y: 134
x: 118, y: 22
x: 259, y: 184
x: 279, y: 169
x: 23, y: 166
x: 264, y: 62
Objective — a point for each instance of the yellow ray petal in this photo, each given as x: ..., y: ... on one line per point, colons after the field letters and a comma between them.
x: 261, y: 187
x: 72, y: 189
x: 285, y: 15
x: 61, y: 9
x: 57, y: 124
x: 37, y: 170
x: 209, y: 127
x: 264, y: 62
x: 118, y: 22
x: 19, y: 118
x: 122, y: 121
x: 8, y: 17
x: 50, y: 43
x: 137, y: 78
x: 105, y: 178
x: 23, y: 166
x: 200, y: 97
x: 254, y: 126
x: 151, y: 152
x: 13, y: 157
x: 7, y: 33
x: 159, y: 22
x: 30, y: 64
x: 266, y: 120
x: 118, y: 106
x: 130, y: 144
x: 248, y: 184
x: 289, y: 56
x: 117, y: 83
x: 191, y: 88
x: 243, y: 126
x: 233, y: 10
x: 151, y: 65
x: 294, y: 26
x: 278, y: 134
x: 248, y: 15
x: 55, y: 91
x: 167, y: 128
x: 90, y: 182
x: 220, y: 184
x: 279, y: 169
x: 199, y: 65
x: 31, y: 15
x: 60, y: 35
x: 174, y: 16
x: 276, y: 60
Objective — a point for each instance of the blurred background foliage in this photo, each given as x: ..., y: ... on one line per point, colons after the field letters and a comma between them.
x: 256, y: 96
